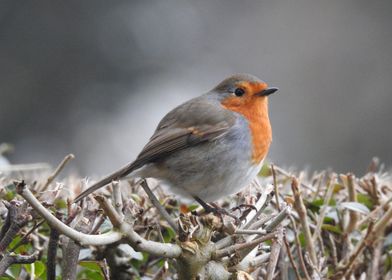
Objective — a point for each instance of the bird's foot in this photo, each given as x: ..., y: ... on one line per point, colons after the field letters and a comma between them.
x: 243, y: 206
x: 244, y: 210
x: 216, y: 210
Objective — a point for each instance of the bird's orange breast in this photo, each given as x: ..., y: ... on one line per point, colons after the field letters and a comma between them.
x: 255, y: 110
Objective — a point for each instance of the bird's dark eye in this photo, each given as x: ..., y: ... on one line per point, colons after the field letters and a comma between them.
x: 239, y: 92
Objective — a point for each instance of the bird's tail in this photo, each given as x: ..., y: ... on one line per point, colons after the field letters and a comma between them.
x: 124, y: 171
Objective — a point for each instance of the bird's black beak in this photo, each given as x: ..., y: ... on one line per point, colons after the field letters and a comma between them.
x: 267, y: 91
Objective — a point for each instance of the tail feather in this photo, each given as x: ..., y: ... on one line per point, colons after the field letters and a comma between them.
x: 124, y: 171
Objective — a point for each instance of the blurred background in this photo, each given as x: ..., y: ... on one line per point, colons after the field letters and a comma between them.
x: 95, y: 77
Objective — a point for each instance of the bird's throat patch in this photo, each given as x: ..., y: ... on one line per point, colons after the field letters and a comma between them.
x: 256, y: 112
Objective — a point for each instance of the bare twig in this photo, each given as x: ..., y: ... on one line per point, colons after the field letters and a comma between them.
x: 352, y: 196
x: 291, y: 258
x: 250, y: 231
x: 323, y: 211
x: 275, y: 251
x: 250, y: 264
x: 319, y: 181
x: 137, y: 242
x: 275, y: 187
x: 237, y: 247
x: 302, y: 212
x: 71, y: 249
x: 117, y: 197
x: 24, y: 167
x: 83, y: 239
x: 52, y: 253
x: 333, y: 250
x: 159, y: 207
x: 98, y: 222
x: 7, y: 222
x: 287, y: 174
x: 11, y: 258
x: 345, y: 266
x: 261, y: 204
x: 109, y: 210
x: 24, y: 238
x: 19, y: 217
x: 160, y: 274
x: 373, y: 233
x: 278, y: 219
x: 57, y: 171
x: 376, y: 260
x: 299, y: 249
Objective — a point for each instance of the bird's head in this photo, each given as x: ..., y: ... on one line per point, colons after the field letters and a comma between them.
x: 244, y: 93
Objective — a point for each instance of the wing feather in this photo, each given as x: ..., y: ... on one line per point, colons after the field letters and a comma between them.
x: 190, y: 124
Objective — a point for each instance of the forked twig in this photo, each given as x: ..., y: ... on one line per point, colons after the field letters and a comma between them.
x: 57, y: 171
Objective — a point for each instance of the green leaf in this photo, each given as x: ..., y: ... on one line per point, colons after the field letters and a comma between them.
x: 388, y: 262
x: 365, y: 199
x: 331, y: 228
x: 92, y: 265
x: 265, y: 170
x: 168, y: 234
x: 301, y: 238
x: 329, y: 220
x: 39, y: 268
x: 7, y: 277
x: 337, y: 188
x: 316, y: 204
x: 15, y: 270
x: 90, y: 274
x: 193, y: 207
x: 60, y: 204
x: 10, y: 192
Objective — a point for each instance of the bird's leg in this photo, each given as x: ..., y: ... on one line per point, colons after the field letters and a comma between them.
x: 208, y: 208
x: 243, y: 214
x: 215, y: 209
x: 244, y: 205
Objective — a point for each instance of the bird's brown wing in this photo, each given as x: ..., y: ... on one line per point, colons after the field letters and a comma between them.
x: 187, y: 125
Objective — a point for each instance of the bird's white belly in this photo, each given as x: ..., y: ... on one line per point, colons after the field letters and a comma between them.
x: 231, y: 184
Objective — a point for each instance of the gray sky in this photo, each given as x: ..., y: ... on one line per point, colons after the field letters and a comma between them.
x: 95, y: 77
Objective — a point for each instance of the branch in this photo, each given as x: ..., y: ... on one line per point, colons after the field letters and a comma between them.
x: 117, y: 198
x: 135, y: 240
x: 83, y: 239
x: 278, y: 219
x: 52, y: 253
x: 261, y: 204
x: 57, y: 171
x: 288, y: 175
x: 345, y: 266
x: 7, y: 222
x: 302, y: 212
x: 323, y: 212
x: 11, y: 258
x: 249, y: 264
x: 299, y: 249
x: 71, y: 249
x: 275, y: 187
x: 18, y: 218
x: 352, y: 196
x: 109, y: 210
x: 159, y: 207
x: 275, y: 251
x: 237, y: 247
x: 291, y: 258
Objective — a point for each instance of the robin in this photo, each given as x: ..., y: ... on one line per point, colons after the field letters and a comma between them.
x: 210, y: 146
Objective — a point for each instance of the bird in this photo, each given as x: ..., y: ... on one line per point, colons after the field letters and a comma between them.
x: 209, y: 147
